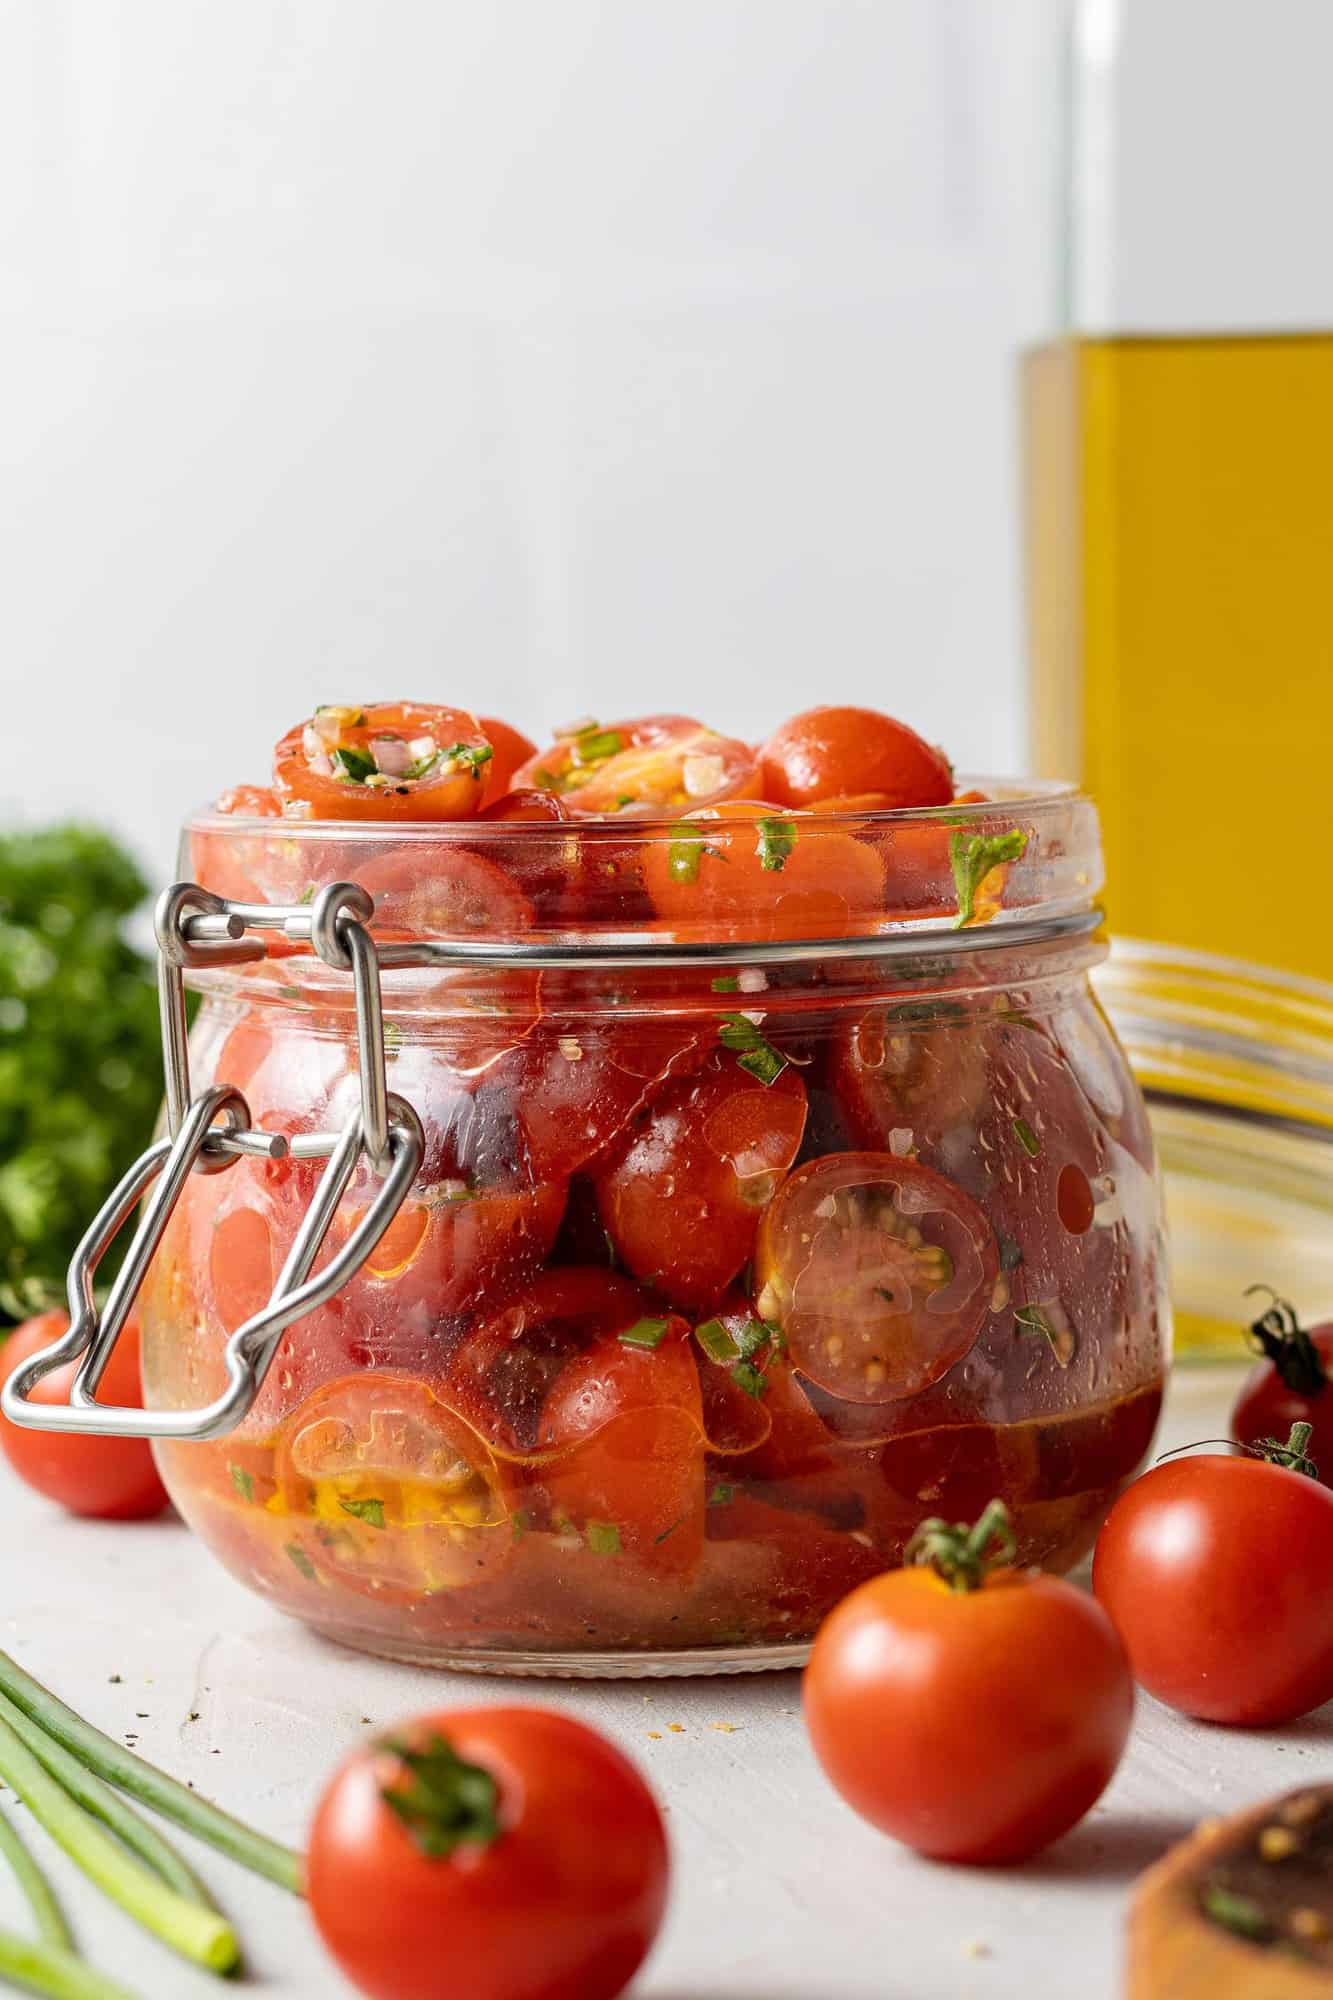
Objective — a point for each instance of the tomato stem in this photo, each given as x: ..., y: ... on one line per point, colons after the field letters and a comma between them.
x: 1279, y: 1335
x: 1293, y: 1456
x: 964, y: 1556
x: 443, y: 1801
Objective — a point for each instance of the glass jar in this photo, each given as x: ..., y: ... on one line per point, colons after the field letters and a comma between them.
x: 767, y: 1206
x: 1236, y: 1063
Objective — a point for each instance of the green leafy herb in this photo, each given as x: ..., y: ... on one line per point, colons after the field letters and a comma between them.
x: 443, y: 1802
x: 302, y: 1561
x: 721, y: 1495
x: 973, y: 855
x: 728, y: 983
x: 746, y: 1376
x: 668, y: 1532
x: 369, y: 1511
x: 471, y: 755
x: 777, y: 837
x: 1035, y: 1320
x: 757, y: 1334
x: 717, y: 1341
x: 754, y: 1053
x: 1027, y: 1138
x: 1235, y: 1913
x: 242, y: 1481
x: 603, y: 1538
x: 352, y: 766
x: 645, y: 1333
x: 595, y: 746
x: 684, y: 853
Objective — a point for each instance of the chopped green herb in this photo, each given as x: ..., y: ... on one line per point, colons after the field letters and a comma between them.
x: 754, y: 1054
x: 369, y: 1511
x: 721, y: 1496
x: 603, y: 1538
x: 716, y: 1341
x: 728, y: 983
x: 777, y: 837
x: 1235, y: 1913
x: 973, y: 855
x: 473, y: 755
x: 668, y: 1532
x: 645, y: 1333
x: 754, y: 1335
x: 1027, y: 1138
x: 625, y: 799
x: 684, y: 854
x: 746, y: 1376
x: 1034, y: 1320
x: 307, y: 894
x: 351, y: 765
x: 595, y: 746
x: 302, y: 1561
x: 242, y: 1481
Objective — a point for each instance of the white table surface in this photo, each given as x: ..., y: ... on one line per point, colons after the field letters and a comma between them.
x: 780, y: 1893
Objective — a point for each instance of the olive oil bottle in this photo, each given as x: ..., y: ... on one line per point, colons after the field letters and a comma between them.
x: 1179, y: 473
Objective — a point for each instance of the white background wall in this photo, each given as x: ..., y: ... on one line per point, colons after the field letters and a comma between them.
x: 545, y: 355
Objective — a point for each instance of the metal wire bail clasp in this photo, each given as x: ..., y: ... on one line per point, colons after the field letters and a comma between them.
x: 197, y: 928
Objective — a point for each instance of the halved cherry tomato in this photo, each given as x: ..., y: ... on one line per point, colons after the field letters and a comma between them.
x: 449, y: 891
x: 509, y: 748
x: 746, y: 870
x: 391, y: 760
x: 1218, y: 1573
x: 502, y: 1853
x: 453, y: 1249
x: 827, y: 753
x: 654, y: 764
x: 682, y: 1196
x: 1013, y: 1682
x: 878, y: 1271
x: 573, y: 1086
x: 105, y: 1478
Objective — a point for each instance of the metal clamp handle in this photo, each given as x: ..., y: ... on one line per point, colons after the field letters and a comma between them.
x: 197, y: 928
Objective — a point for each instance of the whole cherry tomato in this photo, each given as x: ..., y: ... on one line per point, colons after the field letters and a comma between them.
x: 973, y: 1711
x: 498, y: 1853
x: 509, y: 749
x: 391, y: 760
x: 840, y: 753
x: 105, y: 1478
x: 632, y: 769
x: 743, y: 869
x: 1290, y: 1385
x: 1218, y: 1573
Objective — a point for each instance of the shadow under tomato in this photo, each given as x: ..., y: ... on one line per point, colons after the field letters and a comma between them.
x: 1108, y: 1847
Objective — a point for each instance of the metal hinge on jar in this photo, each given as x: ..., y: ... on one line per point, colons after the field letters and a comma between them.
x: 208, y: 1134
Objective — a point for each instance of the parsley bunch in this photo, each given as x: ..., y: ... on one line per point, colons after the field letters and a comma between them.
x: 80, y: 1062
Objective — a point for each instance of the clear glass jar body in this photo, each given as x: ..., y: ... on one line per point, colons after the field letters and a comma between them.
x: 713, y: 1284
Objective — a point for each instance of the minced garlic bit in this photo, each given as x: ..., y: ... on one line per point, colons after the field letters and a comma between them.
x: 701, y: 775
x: 571, y: 1048
x: 901, y: 1141
x: 752, y: 979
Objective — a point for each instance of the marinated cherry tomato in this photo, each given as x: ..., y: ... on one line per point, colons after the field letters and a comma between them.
x: 505, y: 1853
x: 1290, y: 1385
x: 105, y: 1478
x: 447, y: 892
x: 573, y: 1087
x: 1218, y: 1573
x: 682, y: 1196
x: 392, y: 760
x: 251, y: 802
x: 828, y: 753
x: 1012, y: 1682
x: 745, y: 870
x: 658, y: 763
x: 243, y: 866
x: 509, y: 749
x: 917, y: 1070
x: 452, y: 1249
x: 878, y: 1271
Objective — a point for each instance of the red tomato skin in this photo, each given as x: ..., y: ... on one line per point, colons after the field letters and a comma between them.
x: 838, y: 752
x: 1267, y: 1408
x: 509, y: 748
x: 307, y: 794
x: 563, y: 1905
x: 1218, y: 1574
x: 101, y: 1478
x: 974, y: 1726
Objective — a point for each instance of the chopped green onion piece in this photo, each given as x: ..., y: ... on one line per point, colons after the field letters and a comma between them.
x: 369, y: 1511
x: 746, y: 1376
x: 301, y: 1560
x: 242, y: 1481
x: 596, y: 746
x: 1235, y: 1913
x: 716, y: 1341
x: 1027, y: 1138
x: 603, y: 1538
x: 752, y: 1051
x: 756, y: 1333
x: 721, y: 1496
x: 973, y: 855
x: 684, y: 854
x: 728, y: 983
x: 352, y: 766
x: 777, y: 837
x: 645, y: 1333
x: 473, y: 755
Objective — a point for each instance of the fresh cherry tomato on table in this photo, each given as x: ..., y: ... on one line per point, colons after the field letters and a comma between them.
x: 391, y: 760
x: 105, y: 1478
x: 974, y: 1711
x: 1218, y: 1573
x: 501, y: 1854
x: 746, y: 870
x: 654, y: 764
x: 1290, y: 1385
x: 838, y: 753
x: 682, y: 1195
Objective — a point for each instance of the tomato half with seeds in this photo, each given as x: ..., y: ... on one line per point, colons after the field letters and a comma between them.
x: 682, y: 1197
x: 836, y: 752
x: 878, y: 1271
x: 389, y: 760
x: 658, y: 763
x: 748, y: 870
x: 573, y: 1087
